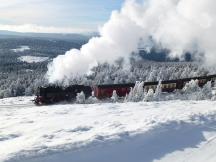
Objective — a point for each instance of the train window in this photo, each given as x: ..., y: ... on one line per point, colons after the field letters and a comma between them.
x: 173, y: 85
x: 163, y: 85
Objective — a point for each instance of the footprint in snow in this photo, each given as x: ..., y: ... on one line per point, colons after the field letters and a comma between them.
x: 80, y: 129
x: 48, y: 136
x: 27, y: 122
x: 8, y: 137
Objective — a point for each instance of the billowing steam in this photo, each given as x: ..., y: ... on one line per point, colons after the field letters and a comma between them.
x: 178, y: 25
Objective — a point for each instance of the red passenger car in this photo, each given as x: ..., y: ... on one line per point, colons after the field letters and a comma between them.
x: 106, y: 91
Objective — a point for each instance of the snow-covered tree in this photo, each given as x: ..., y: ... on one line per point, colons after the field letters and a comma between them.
x: 80, y: 98
x: 91, y: 100
x: 149, y: 96
x: 136, y: 93
x: 191, y: 91
x: 114, y: 96
x: 157, y: 94
x: 191, y: 86
x: 206, y: 91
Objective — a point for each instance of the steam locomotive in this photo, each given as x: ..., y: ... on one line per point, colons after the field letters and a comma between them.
x: 54, y: 94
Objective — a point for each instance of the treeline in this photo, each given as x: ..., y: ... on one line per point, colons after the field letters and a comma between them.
x: 25, y: 82
x: 139, y: 71
x: 21, y: 83
x: 21, y: 78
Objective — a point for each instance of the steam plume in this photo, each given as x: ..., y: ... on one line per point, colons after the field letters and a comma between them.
x: 178, y: 25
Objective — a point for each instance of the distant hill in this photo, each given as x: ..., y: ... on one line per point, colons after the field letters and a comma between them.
x: 59, y: 36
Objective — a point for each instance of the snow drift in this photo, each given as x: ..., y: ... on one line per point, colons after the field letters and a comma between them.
x: 178, y: 25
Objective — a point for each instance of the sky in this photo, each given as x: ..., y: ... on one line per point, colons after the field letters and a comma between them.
x: 55, y: 16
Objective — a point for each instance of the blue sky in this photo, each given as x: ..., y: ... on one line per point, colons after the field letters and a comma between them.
x: 55, y: 15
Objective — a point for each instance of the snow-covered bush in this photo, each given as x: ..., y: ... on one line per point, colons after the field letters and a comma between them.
x: 136, y: 93
x: 80, y: 98
x: 149, y: 96
x: 206, y: 91
x: 158, y: 91
x: 152, y: 95
x: 114, y: 97
x: 191, y: 87
x: 192, y: 91
x: 91, y: 100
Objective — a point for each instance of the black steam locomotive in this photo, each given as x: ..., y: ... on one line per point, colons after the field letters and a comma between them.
x: 54, y: 94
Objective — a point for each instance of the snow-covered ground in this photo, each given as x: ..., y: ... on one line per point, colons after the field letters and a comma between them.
x: 32, y: 59
x: 21, y: 49
x: 110, y: 132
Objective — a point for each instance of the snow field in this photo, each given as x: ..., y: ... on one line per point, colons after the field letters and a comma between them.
x: 32, y: 59
x: 21, y: 49
x: 143, y: 131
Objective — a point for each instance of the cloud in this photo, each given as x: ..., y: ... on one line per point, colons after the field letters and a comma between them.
x: 57, y: 13
x: 179, y: 25
x: 42, y: 29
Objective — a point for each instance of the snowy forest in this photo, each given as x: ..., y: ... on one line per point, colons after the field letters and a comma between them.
x: 22, y: 78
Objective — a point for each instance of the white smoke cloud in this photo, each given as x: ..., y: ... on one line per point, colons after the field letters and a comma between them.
x: 179, y: 25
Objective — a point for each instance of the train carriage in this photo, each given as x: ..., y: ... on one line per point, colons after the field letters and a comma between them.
x: 106, y: 91
x: 53, y: 94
